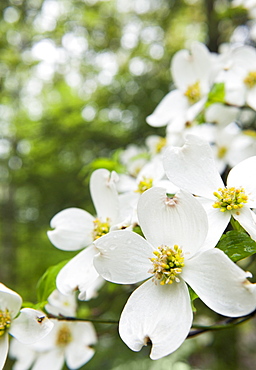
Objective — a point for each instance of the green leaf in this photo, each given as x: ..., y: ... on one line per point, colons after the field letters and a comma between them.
x: 216, y: 95
x: 47, y: 283
x: 193, y: 296
x: 237, y: 245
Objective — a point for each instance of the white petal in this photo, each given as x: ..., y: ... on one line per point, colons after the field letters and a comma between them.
x: 79, y: 273
x: 172, y: 104
x: 244, y: 175
x: 217, y: 221
x: 192, y: 167
x: 77, y: 355
x: 79, y: 351
x: 247, y: 220
x: 23, y: 354
x: 123, y: 257
x: 53, y: 360
x: 251, y: 98
x: 180, y: 220
x: 9, y: 300
x: 30, y: 326
x: 220, y: 283
x: 4, y: 345
x: 161, y: 313
x: 104, y: 194
x: 73, y: 229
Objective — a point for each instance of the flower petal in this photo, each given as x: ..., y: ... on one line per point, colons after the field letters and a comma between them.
x: 217, y: 221
x: 73, y: 229
x: 50, y: 360
x: 4, y: 346
x: 220, y: 283
x: 161, y: 314
x: 23, y: 354
x: 192, y: 167
x: 79, y: 273
x: 79, y: 352
x: 104, y: 194
x: 244, y: 175
x: 247, y: 220
x: 77, y: 355
x: 124, y: 257
x: 180, y: 220
x: 9, y: 300
x: 30, y: 326
x: 173, y: 104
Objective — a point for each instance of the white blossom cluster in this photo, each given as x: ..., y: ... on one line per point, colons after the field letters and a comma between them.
x: 172, y: 190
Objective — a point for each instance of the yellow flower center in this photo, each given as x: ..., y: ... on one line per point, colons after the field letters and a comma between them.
x: 161, y: 144
x: 145, y: 184
x: 167, y: 264
x: 100, y: 228
x: 222, y: 150
x: 250, y: 79
x: 230, y: 199
x: 64, y: 336
x: 5, y: 321
x: 193, y: 93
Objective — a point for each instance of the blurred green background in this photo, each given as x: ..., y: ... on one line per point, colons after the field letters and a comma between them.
x: 77, y: 80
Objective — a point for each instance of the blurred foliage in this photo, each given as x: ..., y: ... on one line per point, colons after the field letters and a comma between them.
x: 77, y: 80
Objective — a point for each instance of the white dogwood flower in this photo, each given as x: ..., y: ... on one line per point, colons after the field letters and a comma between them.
x: 27, y: 325
x: 193, y: 169
x: 75, y: 228
x: 193, y: 77
x: 69, y: 342
x: 159, y: 311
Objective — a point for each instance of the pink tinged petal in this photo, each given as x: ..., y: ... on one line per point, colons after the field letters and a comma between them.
x: 4, y: 346
x: 244, y: 175
x: 220, y: 283
x: 104, y: 194
x: 79, y: 273
x: 73, y: 229
x: 173, y: 104
x: 246, y: 218
x: 161, y: 314
x: 180, y: 220
x: 53, y: 360
x: 30, y: 326
x: 217, y: 221
x: 124, y: 257
x: 9, y: 300
x: 193, y: 167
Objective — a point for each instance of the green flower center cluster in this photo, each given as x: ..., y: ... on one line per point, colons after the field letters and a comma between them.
x: 144, y: 185
x: 193, y: 93
x: 100, y: 228
x: 64, y: 336
x: 250, y: 79
x: 167, y: 264
x: 230, y: 199
x: 5, y: 321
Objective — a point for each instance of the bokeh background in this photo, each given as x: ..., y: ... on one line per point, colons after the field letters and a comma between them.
x: 77, y: 80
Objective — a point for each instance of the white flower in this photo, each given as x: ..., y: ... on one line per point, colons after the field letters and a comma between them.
x: 193, y: 77
x: 240, y: 77
x: 75, y: 228
x: 27, y: 325
x: 193, y: 169
x: 68, y: 342
x: 60, y: 304
x: 159, y: 311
